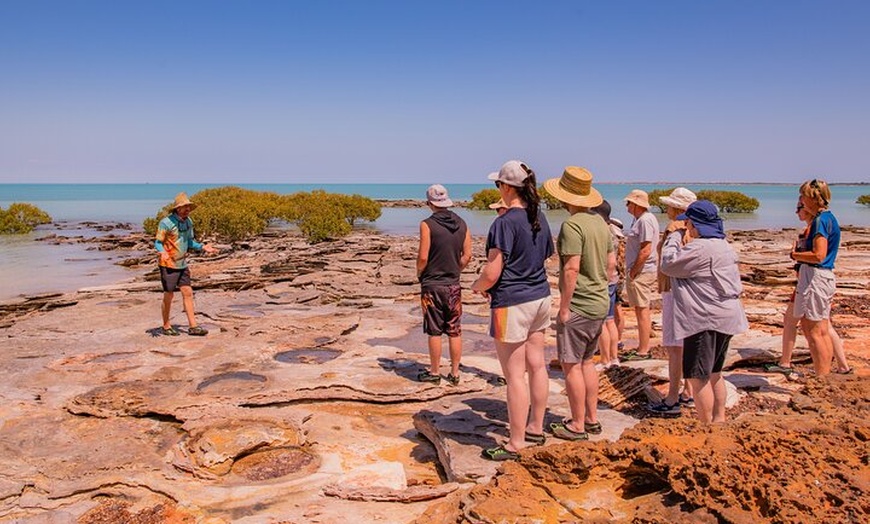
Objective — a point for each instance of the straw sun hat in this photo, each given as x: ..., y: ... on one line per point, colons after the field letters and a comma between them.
x: 638, y: 197
x: 182, y: 200
x: 574, y: 187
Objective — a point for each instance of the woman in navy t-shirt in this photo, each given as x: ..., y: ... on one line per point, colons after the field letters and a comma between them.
x: 515, y: 280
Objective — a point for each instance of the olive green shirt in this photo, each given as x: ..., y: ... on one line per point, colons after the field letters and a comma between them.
x: 587, y: 235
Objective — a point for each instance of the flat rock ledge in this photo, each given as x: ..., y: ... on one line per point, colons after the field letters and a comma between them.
x: 301, y: 405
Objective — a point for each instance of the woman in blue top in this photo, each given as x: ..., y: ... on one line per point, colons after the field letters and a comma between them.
x: 816, y: 282
x: 515, y: 280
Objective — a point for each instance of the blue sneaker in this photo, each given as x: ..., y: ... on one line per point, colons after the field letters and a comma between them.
x: 664, y: 410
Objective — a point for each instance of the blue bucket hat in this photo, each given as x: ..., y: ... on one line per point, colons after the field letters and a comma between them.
x: 705, y: 218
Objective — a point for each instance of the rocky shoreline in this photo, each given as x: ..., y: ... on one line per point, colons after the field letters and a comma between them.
x: 300, y: 405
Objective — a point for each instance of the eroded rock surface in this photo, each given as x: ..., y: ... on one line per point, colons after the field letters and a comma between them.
x: 301, y: 406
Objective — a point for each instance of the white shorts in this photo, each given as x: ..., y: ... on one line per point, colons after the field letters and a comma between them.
x: 514, y: 324
x: 815, y: 291
x: 668, y: 338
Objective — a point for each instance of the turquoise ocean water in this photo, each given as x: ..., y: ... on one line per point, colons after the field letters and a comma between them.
x: 30, y: 267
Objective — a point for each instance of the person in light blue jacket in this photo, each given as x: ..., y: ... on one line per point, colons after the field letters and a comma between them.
x: 707, y: 308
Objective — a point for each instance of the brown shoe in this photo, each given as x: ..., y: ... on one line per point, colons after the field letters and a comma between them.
x: 197, y: 331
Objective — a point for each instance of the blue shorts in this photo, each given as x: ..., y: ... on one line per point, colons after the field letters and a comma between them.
x: 611, y: 290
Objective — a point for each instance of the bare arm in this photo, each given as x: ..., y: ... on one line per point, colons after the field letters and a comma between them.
x: 491, y: 271
x: 816, y: 256
x: 423, y: 250
x: 611, y: 265
x: 466, y: 251
x: 643, y: 254
x: 567, y: 283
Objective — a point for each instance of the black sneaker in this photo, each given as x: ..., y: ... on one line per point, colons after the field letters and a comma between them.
x: 663, y: 409
x: 453, y: 380
x: 425, y: 376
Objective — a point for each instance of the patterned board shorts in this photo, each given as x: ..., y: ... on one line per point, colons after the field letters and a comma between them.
x: 442, y: 310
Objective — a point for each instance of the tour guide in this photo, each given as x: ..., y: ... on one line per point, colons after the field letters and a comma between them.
x: 174, y: 239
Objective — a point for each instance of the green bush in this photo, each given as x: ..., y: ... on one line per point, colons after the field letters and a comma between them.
x: 654, y: 198
x: 726, y: 201
x: 232, y: 213
x: 21, y: 218
x: 729, y: 201
x: 483, y: 198
x: 863, y: 199
x: 358, y: 207
x: 548, y: 200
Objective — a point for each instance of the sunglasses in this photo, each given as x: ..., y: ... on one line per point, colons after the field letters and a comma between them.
x: 498, y: 183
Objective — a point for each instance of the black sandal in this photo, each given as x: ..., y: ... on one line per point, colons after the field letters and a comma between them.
x: 593, y: 428
x: 537, y: 439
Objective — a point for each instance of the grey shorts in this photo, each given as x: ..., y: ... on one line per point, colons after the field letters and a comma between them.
x: 577, y: 339
x: 815, y: 291
x: 173, y: 279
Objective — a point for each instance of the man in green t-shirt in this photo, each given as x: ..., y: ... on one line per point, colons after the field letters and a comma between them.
x: 585, y: 250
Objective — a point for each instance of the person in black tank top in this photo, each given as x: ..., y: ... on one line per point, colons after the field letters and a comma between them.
x: 445, y: 250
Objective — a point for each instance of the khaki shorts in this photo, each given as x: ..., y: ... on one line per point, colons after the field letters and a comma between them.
x: 815, y: 291
x: 577, y: 339
x: 641, y: 290
x: 514, y: 324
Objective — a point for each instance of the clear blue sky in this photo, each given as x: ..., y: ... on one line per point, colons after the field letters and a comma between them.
x: 433, y: 91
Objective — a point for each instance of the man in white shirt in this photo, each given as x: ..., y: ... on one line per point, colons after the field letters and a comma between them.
x: 640, y: 265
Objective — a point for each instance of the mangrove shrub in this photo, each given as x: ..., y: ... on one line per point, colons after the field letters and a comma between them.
x: 864, y: 199
x: 483, y: 198
x: 548, y: 200
x: 21, y: 218
x: 232, y: 213
x: 726, y: 201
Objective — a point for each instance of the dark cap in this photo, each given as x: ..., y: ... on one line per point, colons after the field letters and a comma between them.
x: 603, y: 209
x: 705, y: 217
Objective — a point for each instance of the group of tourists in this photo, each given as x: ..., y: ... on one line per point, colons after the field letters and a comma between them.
x: 690, y: 264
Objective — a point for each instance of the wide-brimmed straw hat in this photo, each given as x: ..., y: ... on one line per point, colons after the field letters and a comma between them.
x: 574, y: 187
x: 680, y: 198
x: 182, y: 200
x: 639, y: 197
x: 498, y: 205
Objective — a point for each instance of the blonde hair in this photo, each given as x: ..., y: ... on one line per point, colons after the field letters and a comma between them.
x: 818, y: 190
